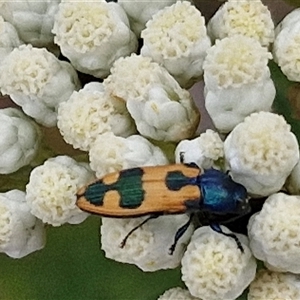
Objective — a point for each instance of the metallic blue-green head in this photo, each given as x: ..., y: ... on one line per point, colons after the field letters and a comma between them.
x: 222, y: 195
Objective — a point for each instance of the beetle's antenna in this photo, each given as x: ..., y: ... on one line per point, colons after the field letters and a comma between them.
x: 179, y: 233
x: 216, y: 227
x: 123, y: 243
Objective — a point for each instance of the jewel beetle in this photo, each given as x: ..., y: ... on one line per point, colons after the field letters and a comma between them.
x: 166, y: 189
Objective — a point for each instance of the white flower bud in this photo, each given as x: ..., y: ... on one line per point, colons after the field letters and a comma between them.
x: 177, y: 293
x: 91, y: 112
x: 110, y: 153
x: 243, y: 17
x: 274, y: 285
x: 93, y: 35
x: 161, y: 109
x: 213, y: 267
x: 37, y: 81
x: 9, y: 39
x: 274, y: 233
x: 21, y: 233
x: 237, y: 81
x: 176, y: 38
x: 19, y: 142
x: 139, y: 12
x: 286, y: 43
x: 32, y: 19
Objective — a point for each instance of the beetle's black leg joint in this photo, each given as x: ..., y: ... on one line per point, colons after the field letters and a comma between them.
x: 181, y: 157
x: 123, y: 243
x: 179, y: 233
x: 216, y: 227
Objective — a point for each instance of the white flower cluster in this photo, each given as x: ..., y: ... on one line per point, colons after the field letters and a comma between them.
x: 52, y: 187
x: 142, y: 107
x: 237, y: 85
x: 37, y: 81
x: 148, y: 246
x: 243, y: 17
x: 93, y: 35
x: 176, y: 38
x: 274, y: 285
x: 286, y: 43
x: 91, y: 112
x: 274, y: 233
x: 161, y: 109
x: 261, y: 152
x: 214, y: 268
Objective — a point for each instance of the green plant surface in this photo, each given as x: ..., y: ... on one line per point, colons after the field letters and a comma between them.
x: 72, y: 266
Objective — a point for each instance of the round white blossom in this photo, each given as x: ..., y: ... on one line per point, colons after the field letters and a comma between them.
x: 204, y: 150
x: 285, y: 46
x: 91, y: 112
x: 161, y: 109
x: 32, y: 19
x: 274, y: 285
x: 9, y: 39
x: 21, y: 233
x: 19, y: 142
x: 274, y: 233
x: 243, y: 17
x: 37, y: 81
x: 139, y: 12
x: 261, y: 152
x: 176, y: 293
x: 176, y: 38
x: 214, y: 268
x: 110, y: 153
x: 234, y: 62
x: 237, y: 81
x: 148, y: 246
x: 93, y: 35
x: 52, y: 187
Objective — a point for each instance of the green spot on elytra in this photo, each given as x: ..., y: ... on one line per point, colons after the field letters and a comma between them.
x: 129, y: 186
x: 176, y: 180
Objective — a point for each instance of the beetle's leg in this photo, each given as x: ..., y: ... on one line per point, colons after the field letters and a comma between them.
x: 192, y: 164
x: 216, y: 227
x: 99, y: 233
x: 181, y: 157
x: 123, y: 243
x: 236, y: 217
x: 179, y: 233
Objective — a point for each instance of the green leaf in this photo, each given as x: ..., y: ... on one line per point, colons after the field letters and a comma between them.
x: 287, y: 100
